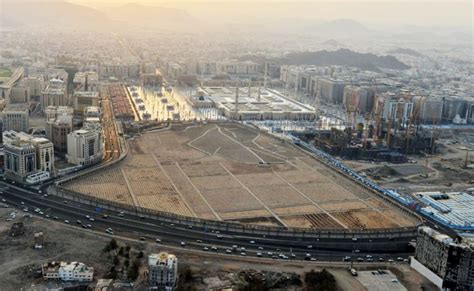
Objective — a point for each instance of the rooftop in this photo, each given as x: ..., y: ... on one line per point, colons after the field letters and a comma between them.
x: 454, y: 209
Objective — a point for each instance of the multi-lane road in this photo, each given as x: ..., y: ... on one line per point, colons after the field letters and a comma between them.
x: 136, y: 227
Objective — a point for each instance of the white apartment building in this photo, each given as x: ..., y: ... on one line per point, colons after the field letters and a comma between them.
x: 64, y: 271
x: 84, y: 146
x: 16, y: 117
x: 162, y: 271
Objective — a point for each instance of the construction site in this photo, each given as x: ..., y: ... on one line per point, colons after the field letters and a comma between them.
x: 232, y: 172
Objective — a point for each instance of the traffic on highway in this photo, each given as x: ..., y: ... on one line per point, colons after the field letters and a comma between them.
x: 35, y: 202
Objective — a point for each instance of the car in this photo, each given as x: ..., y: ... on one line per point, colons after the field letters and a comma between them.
x: 89, y: 226
x: 65, y: 202
x: 309, y: 246
x: 25, y: 209
x: 390, y: 260
x: 55, y: 218
x: 400, y: 259
x: 242, y: 248
x: 259, y: 254
x: 260, y: 248
x: 158, y: 241
x: 3, y: 200
x: 199, y: 241
x: 91, y: 219
x: 8, y: 219
x: 88, y: 216
x: 190, y: 226
x: 356, y: 251
x: 381, y: 259
x: 293, y: 255
x: 214, y: 249
x: 369, y: 256
x: 120, y: 214
x: 252, y: 242
x: 359, y: 259
x: 84, y: 226
x: 183, y: 244
x: 66, y: 221
x: 405, y: 260
x: 220, y: 237
x: 243, y: 254
x: 22, y: 203
x: 205, y: 249
x: 41, y: 213
x: 269, y: 254
x: 370, y: 260
x: 354, y: 239
x: 47, y: 216
x: 313, y: 259
x: 105, y: 216
x: 142, y: 238
x: 45, y: 196
x: 234, y: 246
x: 78, y: 221
x: 229, y: 251
x: 346, y: 258
x: 142, y: 217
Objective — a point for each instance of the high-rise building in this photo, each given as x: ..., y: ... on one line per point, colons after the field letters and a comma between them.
x: 448, y: 263
x: 19, y: 159
x: 18, y: 144
x: 162, y: 271
x: 16, y: 117
x: 58, y: 125
x: 84, y: 146
x: 331, y: 90
x: 83, y: 99
x: 55, y: 93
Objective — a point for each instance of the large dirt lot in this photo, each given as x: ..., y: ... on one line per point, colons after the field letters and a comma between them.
x: 19, y: 260
x: 233, y: 172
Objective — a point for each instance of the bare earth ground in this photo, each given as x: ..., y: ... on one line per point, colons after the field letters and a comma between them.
x: 68, y: 243
x: 233, y: 172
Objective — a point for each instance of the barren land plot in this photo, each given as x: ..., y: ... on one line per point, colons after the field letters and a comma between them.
x: 188, y: 192
x: 147, y: 187
x: 365, y: 219
x: 320, y: 192
x: 109, y: 191
x: 260, y: 179
x: 289, y: 211
x: 232, y: 199
x: 166, y: 203
x: 376, y: 203
x: 141, y: 161
x: 277, y: 196
x: 233, y: 215
x: 215, y: 182
x: 343, y: 206
x: 201, y: 169
x: 304, y: 176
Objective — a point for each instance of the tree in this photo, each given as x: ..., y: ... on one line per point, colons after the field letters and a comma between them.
x: 321, y: 281
x: 116, y: 261
x: 132, y: 273
x: 113, y: 244
x: 107, y: 248
x: 126, y: 263
x: 140, y: 255
x: 127, y: 248
x: 121, y: 251
x: 188, y: 274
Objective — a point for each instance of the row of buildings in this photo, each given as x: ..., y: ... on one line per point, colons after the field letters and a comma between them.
x: 64, y: 271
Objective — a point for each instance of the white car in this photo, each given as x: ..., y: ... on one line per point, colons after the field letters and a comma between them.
x: 183, y: 244
x: 66, y: 221
x: 158, y: 240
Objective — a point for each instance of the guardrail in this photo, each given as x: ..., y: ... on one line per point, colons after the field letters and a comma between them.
x: 244, y: 229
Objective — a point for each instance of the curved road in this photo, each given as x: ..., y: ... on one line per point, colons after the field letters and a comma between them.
x: 136, y: 227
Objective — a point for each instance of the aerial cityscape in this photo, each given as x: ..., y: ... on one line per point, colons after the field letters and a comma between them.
x: 233, y: 145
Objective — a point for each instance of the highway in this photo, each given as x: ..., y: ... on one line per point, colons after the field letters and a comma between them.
x: 135, y: 227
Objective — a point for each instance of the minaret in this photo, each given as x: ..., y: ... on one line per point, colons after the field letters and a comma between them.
x: 249, y: 88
